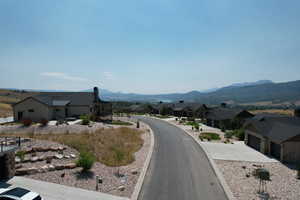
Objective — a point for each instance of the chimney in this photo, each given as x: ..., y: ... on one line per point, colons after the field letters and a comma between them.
x: 96, y: 94
x: 297, y: 112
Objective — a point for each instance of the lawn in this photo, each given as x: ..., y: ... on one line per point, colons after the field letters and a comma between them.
x: 209, y: 136
x: 112, y: 147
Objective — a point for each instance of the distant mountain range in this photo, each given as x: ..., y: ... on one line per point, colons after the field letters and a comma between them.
x: 239, y: 93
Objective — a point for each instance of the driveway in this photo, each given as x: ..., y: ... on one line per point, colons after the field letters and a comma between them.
x: 235, y: 152
x: 179, y: 168
x: 51, y: 191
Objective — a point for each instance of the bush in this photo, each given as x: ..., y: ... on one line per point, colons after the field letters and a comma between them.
x: 196, y: 125
x: 85, y: 120
x: 240, y: 134
x: 44, y: 122
x: 86, y: 161
x: 210, y: 136
x: 21, y: 155
x: 26, y: 122
x: 228, y: 134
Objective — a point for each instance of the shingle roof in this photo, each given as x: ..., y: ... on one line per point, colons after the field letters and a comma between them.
x: 276, y: 127
x: 222, y: 113
x: 63, y: 98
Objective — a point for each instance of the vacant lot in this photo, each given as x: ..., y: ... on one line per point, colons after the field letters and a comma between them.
x: 112, y: 147
x: 274, y: 111
x: 5, y: 110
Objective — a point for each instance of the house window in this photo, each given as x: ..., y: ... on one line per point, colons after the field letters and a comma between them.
x: 30, y: 110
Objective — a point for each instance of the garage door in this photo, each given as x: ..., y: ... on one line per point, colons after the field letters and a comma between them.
x: 254, y: 142
x: 275, y: 150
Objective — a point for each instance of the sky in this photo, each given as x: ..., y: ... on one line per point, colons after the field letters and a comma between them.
x: 147, y: 46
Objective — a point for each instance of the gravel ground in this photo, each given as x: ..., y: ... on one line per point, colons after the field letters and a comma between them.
x: 283, y: 184
x: 88, y: 181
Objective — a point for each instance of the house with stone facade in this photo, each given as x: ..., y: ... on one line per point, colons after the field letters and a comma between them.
x: 275, y: 135
x: 62, y: 105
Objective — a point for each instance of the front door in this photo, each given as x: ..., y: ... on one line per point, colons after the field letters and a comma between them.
x: 20, y: 115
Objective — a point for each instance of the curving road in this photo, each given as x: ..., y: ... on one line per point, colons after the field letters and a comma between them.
x: 179, y: 168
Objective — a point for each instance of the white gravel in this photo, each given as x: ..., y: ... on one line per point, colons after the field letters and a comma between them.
x: 283, y: 185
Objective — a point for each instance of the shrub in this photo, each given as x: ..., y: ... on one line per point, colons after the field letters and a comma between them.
x: 85, y: 120
x: 210, y: 136
x: 240, y: 134
x: 228, y: 134
x: 44, y: 122
x: 21, y: 155
x: 86, y: 161
x: 26, y: 122
x: 196, y: 125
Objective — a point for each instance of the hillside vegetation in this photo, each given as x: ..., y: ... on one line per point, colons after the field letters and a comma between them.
x: 9, y: 97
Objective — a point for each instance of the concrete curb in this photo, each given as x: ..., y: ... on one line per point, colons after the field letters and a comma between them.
x: 140, y: 181
x: 212, y: 163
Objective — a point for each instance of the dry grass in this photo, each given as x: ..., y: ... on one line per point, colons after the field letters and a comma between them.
x: 274, y: 111
x: 112, y: 147
x: 5, y: 110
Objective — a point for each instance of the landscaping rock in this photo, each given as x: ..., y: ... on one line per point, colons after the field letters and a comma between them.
x: 34, y: 159
x: 121, y: 188
x: 72, y: 155
x: 70, y: 166
x: 19, y: 166
x: 21, y: 172
x: 49, y: 159
x: 59, y: 167
x: 59, y: 156
x: 17, y: 160
x: 51, y: 167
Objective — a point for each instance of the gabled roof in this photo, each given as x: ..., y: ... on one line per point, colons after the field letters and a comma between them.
x: 64, y: 98
x: 219, y: 113
x: 278, y: 128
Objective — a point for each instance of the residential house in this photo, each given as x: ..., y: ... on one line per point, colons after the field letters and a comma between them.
x: 226, y: 118
x: 61, y: 105
x: 274, y: 135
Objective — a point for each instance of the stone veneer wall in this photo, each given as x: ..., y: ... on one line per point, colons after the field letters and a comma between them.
x: 7, y: 166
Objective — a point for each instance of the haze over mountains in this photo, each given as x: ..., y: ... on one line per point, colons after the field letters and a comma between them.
x: 238, y: 93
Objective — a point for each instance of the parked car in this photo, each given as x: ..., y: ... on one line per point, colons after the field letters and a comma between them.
x: 18, y: 194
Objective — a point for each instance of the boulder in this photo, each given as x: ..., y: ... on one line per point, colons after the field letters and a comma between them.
x: 134, y: 171
x: 51, y: 167
x: 59, y: 167
x: 19, y: 166
x: 72, y: 155
x: 17, y: 160
x: 121, y: 188
x: 21, y: 172
x: 70, y: 166
x: 34, y: 159
x: 67, y: 156
x: 59, y: 156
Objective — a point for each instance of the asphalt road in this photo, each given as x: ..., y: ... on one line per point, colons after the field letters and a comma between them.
x: 179, y: 168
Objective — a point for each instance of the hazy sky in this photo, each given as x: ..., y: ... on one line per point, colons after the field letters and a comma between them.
x: 152, y: 46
